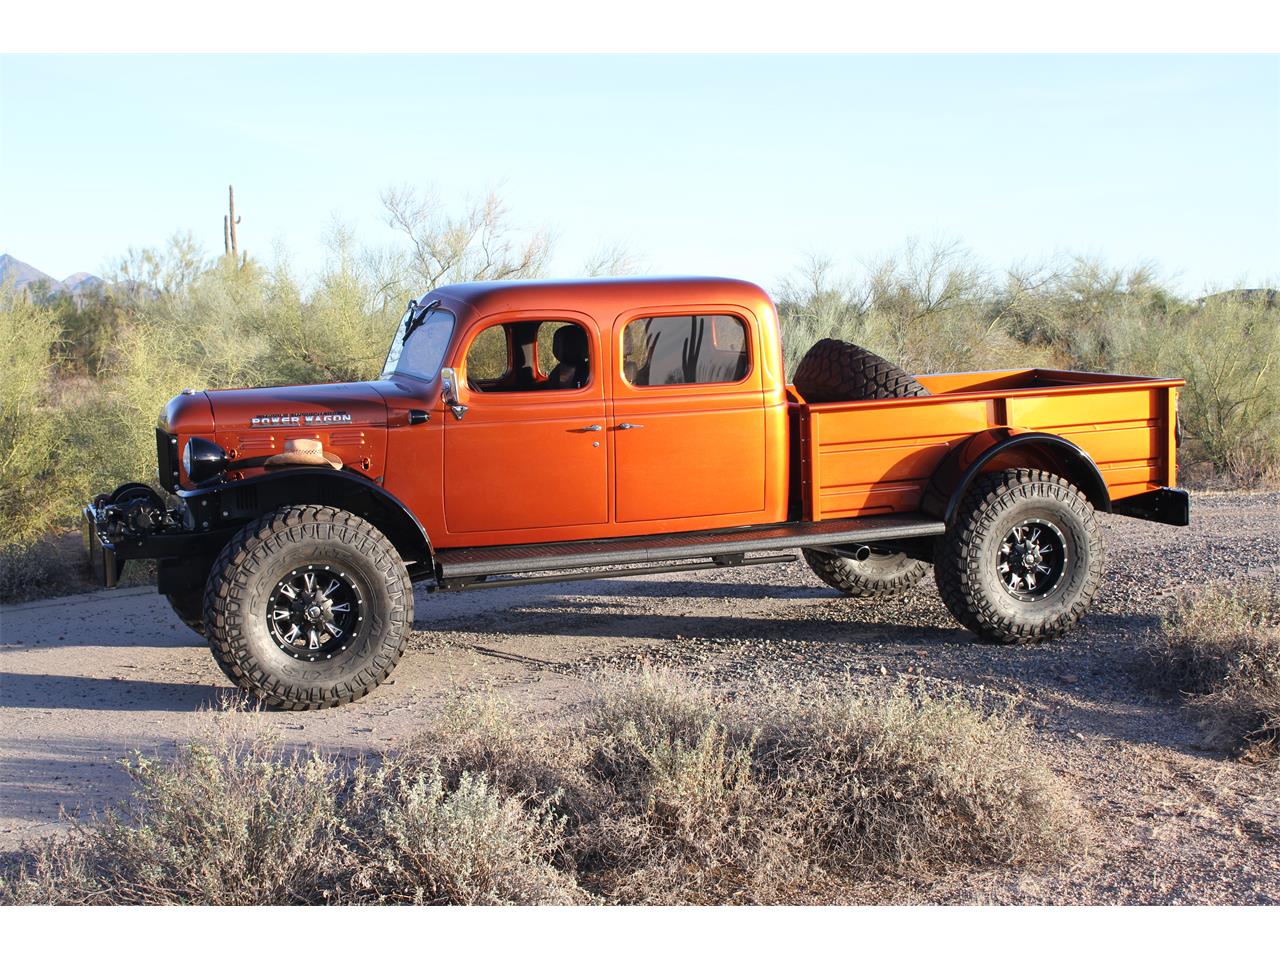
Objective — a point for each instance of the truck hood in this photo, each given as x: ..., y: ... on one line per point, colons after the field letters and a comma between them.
x: 294, y: 411
x: 252, y: 425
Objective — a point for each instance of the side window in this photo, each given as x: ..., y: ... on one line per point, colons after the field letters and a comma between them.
x: 529, y: 355
x: 662, y: 351
x: 488, y: 359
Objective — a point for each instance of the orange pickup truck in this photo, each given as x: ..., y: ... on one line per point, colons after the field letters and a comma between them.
x: 549, y: 431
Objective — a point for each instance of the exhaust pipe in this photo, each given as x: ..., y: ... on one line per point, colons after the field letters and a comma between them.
x: 861, y: 552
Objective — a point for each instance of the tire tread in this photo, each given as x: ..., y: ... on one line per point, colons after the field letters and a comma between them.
x: 228, y: 584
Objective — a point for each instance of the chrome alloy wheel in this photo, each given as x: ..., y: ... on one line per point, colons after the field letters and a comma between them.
x: 1032, y: 559
x: 314, y: 611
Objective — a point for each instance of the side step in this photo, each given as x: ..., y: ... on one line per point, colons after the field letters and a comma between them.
x: 528, y: 558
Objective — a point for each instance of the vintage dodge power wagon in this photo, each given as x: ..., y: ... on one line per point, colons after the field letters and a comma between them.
x: 549, y: 431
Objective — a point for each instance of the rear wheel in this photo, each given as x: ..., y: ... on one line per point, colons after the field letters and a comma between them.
x: 881, y: 574
x: 1023, y: 558
x: 308, y: 607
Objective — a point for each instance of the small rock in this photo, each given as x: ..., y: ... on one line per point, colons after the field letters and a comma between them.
x: 1069, y: 678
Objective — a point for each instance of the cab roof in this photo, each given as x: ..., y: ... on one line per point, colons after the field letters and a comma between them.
x: 603, y: 298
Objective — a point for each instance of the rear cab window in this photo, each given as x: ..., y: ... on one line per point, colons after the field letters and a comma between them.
x: 689, y: 349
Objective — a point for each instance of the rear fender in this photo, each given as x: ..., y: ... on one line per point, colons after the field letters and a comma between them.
x: 1004, y: 449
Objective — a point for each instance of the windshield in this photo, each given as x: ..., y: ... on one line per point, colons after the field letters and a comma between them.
x: 421, y: 353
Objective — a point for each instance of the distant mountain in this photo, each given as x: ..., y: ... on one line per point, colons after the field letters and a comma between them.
x: 24, y: 274
x: 83, y: 283
x: 41, y: 286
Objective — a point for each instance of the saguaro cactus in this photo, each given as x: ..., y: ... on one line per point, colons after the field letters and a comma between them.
x: 229, y: 239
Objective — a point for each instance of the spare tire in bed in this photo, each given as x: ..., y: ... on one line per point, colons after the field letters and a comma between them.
x: 834, y: 370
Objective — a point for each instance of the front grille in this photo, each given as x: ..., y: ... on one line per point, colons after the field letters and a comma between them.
x: 167, y: 460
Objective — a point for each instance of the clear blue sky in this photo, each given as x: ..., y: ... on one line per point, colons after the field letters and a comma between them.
x: 722, y: 164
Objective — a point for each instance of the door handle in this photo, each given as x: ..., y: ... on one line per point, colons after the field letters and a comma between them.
x: 594, y: 428
x: 631, y: 426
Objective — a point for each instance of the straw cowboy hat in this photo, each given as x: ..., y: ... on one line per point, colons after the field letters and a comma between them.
x: 303, y: 453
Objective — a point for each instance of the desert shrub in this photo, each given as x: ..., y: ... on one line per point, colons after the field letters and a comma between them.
x: 671, y: 793
x: 796, y: 791
x: 928, y: 309
x: 28, y: 443
x: 230, y: 820
x: 416, y: 839
x: 664, y: 792
x: 30, y: 572
x: 234, y: 819
x: 1221, y: 649
x: 88, y: 328
x: 1228, y: 349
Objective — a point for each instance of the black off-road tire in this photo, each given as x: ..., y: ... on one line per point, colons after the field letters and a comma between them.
x: 189, y: 606
x: 968, y: 561
x: 880, y: 575
x: 248, y: 574
x: 834, y: 370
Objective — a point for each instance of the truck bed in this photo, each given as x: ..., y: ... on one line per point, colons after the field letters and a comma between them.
x: 868, y: 457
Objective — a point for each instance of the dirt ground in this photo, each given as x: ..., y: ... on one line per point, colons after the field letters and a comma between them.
x: 85, y: 680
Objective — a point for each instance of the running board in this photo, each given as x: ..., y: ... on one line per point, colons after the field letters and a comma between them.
x: 738, y: 560
x: 528, y: 558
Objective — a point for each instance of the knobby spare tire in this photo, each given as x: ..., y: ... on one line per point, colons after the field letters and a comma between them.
x: 831, y: 371
x: 834, y: 370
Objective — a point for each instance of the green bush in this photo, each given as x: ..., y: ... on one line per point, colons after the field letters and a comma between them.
x: 87, y: 381
x: 28, y: 431
x: 1228, y: 350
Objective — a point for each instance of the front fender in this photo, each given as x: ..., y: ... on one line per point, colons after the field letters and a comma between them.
x: 958, y: 470
x: 238, y: 502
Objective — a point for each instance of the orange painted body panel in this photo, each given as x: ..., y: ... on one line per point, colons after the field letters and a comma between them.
x: 870, y: 457
x: 703, y: 456
x: 613, y: 459
x: 527, y: 463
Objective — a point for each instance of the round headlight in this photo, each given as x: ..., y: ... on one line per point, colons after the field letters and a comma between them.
x: 203, y: 459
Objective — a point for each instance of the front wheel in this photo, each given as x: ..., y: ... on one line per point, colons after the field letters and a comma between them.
x: 308, y: 607
x: 1023, y: 558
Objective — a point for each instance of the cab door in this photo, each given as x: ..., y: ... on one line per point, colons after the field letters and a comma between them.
x: 687, y: 421
x: 529, y: 456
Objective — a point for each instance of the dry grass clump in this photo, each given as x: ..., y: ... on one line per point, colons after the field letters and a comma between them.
x: 664, y: 792
x: 1221, y: 648
x: 234, y: 819
x: 27, y: 573
x: 791, y: 792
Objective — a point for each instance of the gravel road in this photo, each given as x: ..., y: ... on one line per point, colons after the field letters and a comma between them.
x: 85, y: 680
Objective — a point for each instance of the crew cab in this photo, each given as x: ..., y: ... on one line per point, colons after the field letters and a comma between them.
x: 540, y: 431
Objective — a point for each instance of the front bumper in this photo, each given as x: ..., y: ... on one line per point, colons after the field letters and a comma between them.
x: 104, y: 564
x: 107, y: 554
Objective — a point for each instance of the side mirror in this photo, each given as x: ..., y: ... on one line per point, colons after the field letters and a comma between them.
x: 449, y: 392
